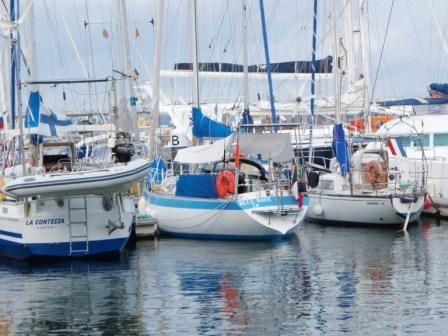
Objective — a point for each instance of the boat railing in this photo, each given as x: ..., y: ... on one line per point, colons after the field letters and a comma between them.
x: 393, y: 181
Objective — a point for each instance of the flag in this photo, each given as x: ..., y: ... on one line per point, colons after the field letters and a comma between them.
x: 396, y: 147
x: 51, y: 124
x: 105, y: 34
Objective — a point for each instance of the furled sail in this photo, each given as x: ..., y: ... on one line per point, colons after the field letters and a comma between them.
x: 340, y: 148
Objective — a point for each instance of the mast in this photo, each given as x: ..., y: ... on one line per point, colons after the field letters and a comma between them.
x: 364, y: 26
x: 195, y: 48
x: 268, y: 64
x: 313, y: 80
x: 350, y: 45
x: 91, y: 75
x: 156, y: 80
x: 127, y: 64
x: 337, y: 86
x: 16, y: 87
x: 245, y: 60
x: 13, y: 42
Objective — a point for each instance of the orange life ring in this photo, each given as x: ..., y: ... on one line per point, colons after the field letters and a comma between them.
x: 374, y: 171
x: 225, y: 183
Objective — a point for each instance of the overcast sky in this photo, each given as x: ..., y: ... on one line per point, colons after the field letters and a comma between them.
x: 413, y: 55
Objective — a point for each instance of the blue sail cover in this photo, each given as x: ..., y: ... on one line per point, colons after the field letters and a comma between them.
x: 204, y: 127
x: 438, y: 90
x: 32, y: 110
x: 340, y: 148
x: 413, y: 102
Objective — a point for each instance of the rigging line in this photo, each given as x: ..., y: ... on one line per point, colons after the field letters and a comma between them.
x: 423, y: 50
x: 92, y: 87
x: 221, y: 24
x: 382, y: 50
x: 4, y: 5
x: 438, y: 27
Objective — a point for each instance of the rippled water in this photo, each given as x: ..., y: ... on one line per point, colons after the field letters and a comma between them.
x: 326, y: 281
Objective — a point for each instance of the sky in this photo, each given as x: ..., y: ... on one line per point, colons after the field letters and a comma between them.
x: 412, y: 57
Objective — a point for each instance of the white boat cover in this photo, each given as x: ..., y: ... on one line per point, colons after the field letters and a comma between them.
x: 274, y: 146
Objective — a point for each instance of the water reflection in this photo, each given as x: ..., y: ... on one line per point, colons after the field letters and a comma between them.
x: 326, y: 281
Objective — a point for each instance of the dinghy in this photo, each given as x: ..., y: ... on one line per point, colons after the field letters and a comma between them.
x: 116, y: 178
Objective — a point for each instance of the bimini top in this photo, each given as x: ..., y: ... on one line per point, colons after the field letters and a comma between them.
x: 274, y: 146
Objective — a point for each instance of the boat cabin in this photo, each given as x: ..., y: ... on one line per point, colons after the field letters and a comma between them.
x: 57, y: 156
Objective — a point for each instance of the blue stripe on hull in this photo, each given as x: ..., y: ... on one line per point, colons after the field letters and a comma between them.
x: 221, y: 204
x: 60, y: 250
x: 226, y: 237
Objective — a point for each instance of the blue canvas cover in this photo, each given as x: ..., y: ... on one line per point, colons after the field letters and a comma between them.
x: 204, y: 127
x: 340, y: 148
x: 202, y: 185
x: 439, y: 90
x: 413, y: 102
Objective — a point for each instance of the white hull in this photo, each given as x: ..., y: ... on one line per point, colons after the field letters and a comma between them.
x: 53, y: 228
x: 362, y: 210
x: 248, y: 217
x: 113, y: 179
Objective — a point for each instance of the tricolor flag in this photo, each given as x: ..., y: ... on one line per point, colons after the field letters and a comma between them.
x: 396, y: 147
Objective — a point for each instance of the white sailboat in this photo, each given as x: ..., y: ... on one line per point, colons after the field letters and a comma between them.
x: 368, y: 188
x: 220, y: 196
x: 52, y: 205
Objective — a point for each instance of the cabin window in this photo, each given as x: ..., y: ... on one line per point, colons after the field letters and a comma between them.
x: 426, y: 140
x: 441, y: 139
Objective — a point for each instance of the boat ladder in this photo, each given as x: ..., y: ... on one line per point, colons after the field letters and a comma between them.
x: 78, y: 230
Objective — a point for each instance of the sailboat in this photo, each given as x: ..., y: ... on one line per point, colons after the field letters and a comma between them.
x: 53, y: 205
x: 224, y: 191
x: 370, y: 187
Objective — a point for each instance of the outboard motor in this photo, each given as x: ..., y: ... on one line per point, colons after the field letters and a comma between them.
x: 123, y: 152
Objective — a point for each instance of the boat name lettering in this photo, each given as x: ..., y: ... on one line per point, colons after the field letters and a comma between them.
x: 45, y: 221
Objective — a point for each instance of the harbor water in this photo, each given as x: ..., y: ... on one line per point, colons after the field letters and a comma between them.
x: 324, y: 281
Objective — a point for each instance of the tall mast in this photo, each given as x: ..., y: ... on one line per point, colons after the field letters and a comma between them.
x: 337, y: 86
x: 13, y: 41
x: 350, y: 45
x: 313, y: 80
x: 245, y: 59
x: 156, y: 80
x: 194, y: 47
x: 364, y: 26
x: 16, y: 87
x: 268, y: 64
x: 128, y: 65
x: 91, y: 86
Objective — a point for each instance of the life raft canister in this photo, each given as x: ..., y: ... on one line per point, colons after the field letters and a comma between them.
x: 225, y: 183
x: 374, y: 171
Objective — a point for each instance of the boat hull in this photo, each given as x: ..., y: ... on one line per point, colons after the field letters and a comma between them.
x: 362, y: 210
x: 248, y: 217
x: 46, y: 228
